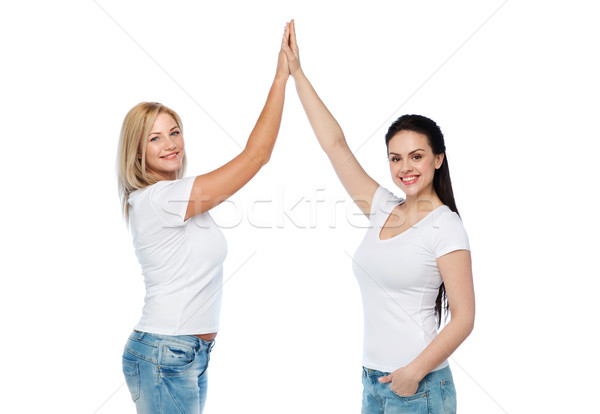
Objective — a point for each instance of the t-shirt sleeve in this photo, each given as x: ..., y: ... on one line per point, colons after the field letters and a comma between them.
x: 449, y: 235
x: 170, y: 199
x: 383, y: 202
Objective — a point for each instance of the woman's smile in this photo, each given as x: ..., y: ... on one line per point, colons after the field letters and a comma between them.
x: 409, y: 179
x: 170, y: 156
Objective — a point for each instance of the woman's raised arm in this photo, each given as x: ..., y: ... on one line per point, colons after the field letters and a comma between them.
x: 213, y: 188
x: 355, y: 180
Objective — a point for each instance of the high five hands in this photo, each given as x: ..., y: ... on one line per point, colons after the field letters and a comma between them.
x: 288, y: 62
x: 290, y: 48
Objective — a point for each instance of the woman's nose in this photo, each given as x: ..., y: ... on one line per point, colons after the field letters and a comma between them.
x: 170, y: 143
x: 405, y: 168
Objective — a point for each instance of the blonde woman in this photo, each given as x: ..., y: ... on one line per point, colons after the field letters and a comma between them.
x: 180, y: 249
x: 415, y: 252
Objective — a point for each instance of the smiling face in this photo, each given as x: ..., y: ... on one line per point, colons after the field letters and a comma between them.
x: 413, y: 163
x: 164, y: 148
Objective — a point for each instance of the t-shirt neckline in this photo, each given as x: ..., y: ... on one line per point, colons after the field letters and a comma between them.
x: 379, y: 239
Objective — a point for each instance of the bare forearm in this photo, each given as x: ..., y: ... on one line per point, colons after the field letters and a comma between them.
x: 324, y: 125
x: 447, y: 341
x: 262, y: 138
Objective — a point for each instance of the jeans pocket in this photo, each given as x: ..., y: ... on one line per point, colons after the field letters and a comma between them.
x: 417, y: 396
x: 448, y: 396
x: 131, y: 371
x: 417, y: 403
x: 175, y: 359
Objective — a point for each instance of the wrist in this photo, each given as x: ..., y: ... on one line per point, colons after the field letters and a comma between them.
x: 298, y: 74
x: 281, y: 78
x: 415, y: 372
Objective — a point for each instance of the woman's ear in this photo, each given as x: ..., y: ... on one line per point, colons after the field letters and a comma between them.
x: 439, y: 159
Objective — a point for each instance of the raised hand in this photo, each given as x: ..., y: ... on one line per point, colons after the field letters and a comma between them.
x: 290, y: 47
x: 283, y: 70
x: 357, y: 182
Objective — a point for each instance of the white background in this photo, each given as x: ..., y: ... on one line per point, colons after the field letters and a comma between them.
x: 513, y: 85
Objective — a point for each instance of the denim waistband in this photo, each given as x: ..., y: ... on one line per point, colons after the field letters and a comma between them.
x: 154, y: 339
x: 440, y: 374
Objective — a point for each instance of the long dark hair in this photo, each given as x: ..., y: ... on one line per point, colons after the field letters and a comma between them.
x: 441, y: 179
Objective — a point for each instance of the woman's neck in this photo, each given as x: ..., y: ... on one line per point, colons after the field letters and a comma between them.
x: 422, y: 203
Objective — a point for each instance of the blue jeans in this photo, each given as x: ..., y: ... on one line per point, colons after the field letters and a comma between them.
x: 166, y: 374
x: 435, y: 395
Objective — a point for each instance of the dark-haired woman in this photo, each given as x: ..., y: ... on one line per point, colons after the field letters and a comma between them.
x: 413, y: 264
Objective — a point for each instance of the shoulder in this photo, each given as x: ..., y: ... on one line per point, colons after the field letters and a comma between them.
x: 385, y: 194
x: 446, y: 217
x: 448, y: 231
x: 167, y: 199
x: 172, y: 190
x: 384, y: 201
x: 173, y: 184
x: 137, y: 195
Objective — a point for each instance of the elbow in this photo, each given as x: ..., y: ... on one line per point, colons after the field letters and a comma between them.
x: 263, y: 159
x: 465, y: 323
x: 469, y: 324
x: 266, y: 158
x: 259, y: 157
x: 334, y: 145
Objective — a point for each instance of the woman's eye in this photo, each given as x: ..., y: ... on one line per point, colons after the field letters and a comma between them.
x: 174, y: 133
x: 417, y: 157
x: 153, y: 138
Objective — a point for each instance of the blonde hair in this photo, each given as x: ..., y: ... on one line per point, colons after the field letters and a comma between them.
x: 131, y: 169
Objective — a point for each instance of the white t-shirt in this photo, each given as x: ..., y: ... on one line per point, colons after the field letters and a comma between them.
x: 182, y: 262
x: 399, y: 282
